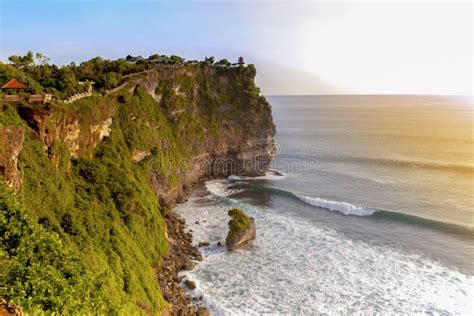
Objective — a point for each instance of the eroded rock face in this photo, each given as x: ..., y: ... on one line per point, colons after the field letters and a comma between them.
x: 241, y: 230
x: 68, y: 127
x: 239, y: 142
x: 243, y: 237
x: 225, y: 127
x: 11, y: 142
x: 139, y: 155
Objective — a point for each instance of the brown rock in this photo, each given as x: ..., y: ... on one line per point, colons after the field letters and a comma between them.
x: 9, y: 309
x: 180, y: 255
x: 11, y: 143
x: 190, y: 284
x: 203, y: 311
x: 242, y: 230
x: 203, y: 244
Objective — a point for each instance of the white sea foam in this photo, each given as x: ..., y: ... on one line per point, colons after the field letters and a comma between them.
x: 270, y: 175
x: 220, y: 188
x: 342, y: 207
x: 299, y: 267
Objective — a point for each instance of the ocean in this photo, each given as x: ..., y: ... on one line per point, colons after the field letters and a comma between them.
x: 369, y: 209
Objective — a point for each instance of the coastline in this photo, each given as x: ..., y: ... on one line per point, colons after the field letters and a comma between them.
x: 181, y: 256
x: 219, y: 278
x: 129, y: 157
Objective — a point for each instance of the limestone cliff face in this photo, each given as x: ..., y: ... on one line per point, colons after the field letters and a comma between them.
x: 222, y: 124
x: 11, y: 141
x: 101, y: 171
x: 239, y: 138
x: 80, y: 134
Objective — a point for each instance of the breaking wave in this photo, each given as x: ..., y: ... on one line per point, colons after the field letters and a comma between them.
x: 270, y: 175
x: 296, y: 267
x: 341, y: 207
x: 225, y: 189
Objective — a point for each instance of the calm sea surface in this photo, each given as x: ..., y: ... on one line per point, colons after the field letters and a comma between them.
x: 374, y: 212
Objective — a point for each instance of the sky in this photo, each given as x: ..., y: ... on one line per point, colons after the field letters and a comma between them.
x: 299, y: 47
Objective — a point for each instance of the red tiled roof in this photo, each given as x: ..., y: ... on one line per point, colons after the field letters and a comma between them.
x: 14, y: 84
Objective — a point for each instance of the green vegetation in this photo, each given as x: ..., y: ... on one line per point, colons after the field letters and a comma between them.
x: 101, y: 218
x: 40, y: 76
x: 209, y: 60
x: 86, y: 234
x: 96, y: 74
x: 239, y: 221
x: 8, y: 115
x: 38, y: 268
x: 223, y: 62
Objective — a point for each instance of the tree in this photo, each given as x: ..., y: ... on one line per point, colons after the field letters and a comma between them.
x: 15, y: 60
x: 68, y: 81
x: 42, y: 59
x: 112, y: 80
x: 154, y: 56
x: 28, y: 59
x: 41, y: 72
x: 210, y: 60
x: 22, y: 61
x: 223, y: 62
x: 241, y: 61
x: 176, y: 59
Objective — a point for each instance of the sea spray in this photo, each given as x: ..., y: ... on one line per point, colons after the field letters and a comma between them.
x: 300, y: 267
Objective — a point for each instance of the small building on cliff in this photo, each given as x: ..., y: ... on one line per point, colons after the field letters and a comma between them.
x: 13, y: 86
x: 11, y: 93
x: 11, y: 90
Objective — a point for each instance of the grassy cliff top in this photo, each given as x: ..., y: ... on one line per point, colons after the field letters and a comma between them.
x: 95, y: 75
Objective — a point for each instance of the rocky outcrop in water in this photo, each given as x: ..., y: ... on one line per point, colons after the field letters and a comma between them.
x: 242, y: 230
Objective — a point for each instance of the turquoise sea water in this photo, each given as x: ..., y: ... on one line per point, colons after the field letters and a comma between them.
x: 374, y: 211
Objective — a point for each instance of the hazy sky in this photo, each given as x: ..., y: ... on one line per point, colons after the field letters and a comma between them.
x: 299, y: 47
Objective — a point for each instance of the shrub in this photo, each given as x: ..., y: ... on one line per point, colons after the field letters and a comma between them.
x: 239, y: 221
x: 223, y: 62
x: 40, y: 270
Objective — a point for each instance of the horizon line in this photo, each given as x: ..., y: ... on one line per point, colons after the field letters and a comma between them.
x: 368, y: 94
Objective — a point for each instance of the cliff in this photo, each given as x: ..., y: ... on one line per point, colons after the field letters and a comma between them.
x: 95, y: 179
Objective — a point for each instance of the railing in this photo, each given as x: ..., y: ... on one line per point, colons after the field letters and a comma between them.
x: 32, y: 98
x: 78, y: 96
x: 42, y: 98
x: 115, y: 89
x: 11, y: 97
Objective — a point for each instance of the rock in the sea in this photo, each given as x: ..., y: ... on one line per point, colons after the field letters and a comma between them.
x: 241, y: 230
x: 219, y: 244
x: 203, y: 244
x: 203, y: 311
x: 190, y: 284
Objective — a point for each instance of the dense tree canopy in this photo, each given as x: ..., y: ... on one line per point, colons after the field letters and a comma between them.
x: 101, y: 74
x: 223, y: 62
